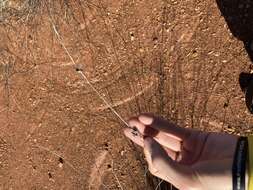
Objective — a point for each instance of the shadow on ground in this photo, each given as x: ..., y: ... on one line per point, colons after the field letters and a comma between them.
x: 239, y: 17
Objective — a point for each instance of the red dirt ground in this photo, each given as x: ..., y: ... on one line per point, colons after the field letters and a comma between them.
x: 178, y: 59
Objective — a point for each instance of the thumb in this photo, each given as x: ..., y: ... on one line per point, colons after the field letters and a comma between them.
x: 162, y: 166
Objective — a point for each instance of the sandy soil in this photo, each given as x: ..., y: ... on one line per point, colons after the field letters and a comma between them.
x: 179, y: 59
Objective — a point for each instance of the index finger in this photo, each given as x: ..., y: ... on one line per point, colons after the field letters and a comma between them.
x: 161, y: 124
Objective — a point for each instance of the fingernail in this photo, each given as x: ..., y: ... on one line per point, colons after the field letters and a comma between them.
x: 131, y: 124
x: 147, y: 120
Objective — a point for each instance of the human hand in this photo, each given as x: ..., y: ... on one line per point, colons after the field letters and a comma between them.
x: 188, y: 159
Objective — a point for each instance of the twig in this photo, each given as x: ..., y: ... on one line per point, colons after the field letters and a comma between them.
x: 60, y: 40
x: 159, y: 184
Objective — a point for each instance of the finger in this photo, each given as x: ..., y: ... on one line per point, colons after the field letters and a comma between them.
x: 174, y: 155
x: 160, y: 124
x: 164, y: 167
x: 136, y: 123
x: 151, y: 167
x: 161, y: 137
x: 177, y: 156
x: 136, y: 139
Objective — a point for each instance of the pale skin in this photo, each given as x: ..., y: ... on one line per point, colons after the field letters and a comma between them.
x: 188, y: 159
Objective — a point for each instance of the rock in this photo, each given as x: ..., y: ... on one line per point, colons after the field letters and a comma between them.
x: 60, y: 165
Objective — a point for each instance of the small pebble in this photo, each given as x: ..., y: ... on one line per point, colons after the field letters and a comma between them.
x: 141, y: 50
x: 122, y: 152
x: 60, y: 165
x: 132, y: 36
x: 194, y: 53
x: 82, y: 26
